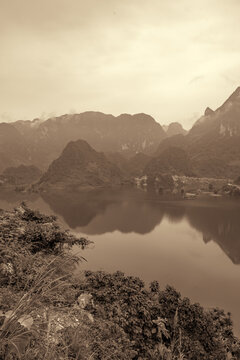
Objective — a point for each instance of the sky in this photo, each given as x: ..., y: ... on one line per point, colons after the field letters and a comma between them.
x: 169, y: 59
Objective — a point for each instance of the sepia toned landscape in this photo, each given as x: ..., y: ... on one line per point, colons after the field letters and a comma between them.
x: 119, y: 180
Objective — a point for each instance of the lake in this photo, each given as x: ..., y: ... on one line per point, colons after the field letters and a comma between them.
x: 193, y: 245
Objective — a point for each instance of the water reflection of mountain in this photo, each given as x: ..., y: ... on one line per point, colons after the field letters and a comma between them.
x: 220, y: 224
x: 102, y: 211
x: 218, y: 221
x: 77, y: 209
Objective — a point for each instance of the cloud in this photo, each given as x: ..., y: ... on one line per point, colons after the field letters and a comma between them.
x: 117, y: 56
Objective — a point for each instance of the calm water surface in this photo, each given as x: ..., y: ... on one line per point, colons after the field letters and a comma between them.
x: 193, y: 245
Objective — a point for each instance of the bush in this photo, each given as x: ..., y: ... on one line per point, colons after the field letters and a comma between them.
x: 185, y: 328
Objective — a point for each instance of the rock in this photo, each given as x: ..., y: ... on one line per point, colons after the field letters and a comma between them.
x: 208, y: 111
x: 25, y: 320
x: 7, y: 269
x: 85, y: 300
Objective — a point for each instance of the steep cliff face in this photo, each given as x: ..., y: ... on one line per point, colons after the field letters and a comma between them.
x: 80, y: 165
x: 214, y: 140
x: 213, y: 143
x: 222, y: 123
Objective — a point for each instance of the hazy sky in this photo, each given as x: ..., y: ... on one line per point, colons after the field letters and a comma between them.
x: 168, y: 58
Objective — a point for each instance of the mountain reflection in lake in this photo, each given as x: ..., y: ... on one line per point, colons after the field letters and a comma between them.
x: 192, y: 245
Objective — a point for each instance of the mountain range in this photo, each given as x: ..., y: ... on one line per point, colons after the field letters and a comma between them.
x: 39, y: 143
x: 134, y: 143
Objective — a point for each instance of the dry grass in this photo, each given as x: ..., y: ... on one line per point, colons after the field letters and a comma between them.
x: 18, y: 326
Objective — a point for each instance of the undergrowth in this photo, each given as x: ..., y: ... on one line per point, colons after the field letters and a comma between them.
x: 46, y: 312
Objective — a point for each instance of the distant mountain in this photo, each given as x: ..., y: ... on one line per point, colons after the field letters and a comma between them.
x: 132, y: 166
x: 208, y: 112
x: 137, y: 164
x: 213, y: 143
x: 13, y: 149
x: 171, y: 161
x: 80, y: 166
x: 26, y: 127
x: 178, y: 141
x: 20, y: 175
x: 224, y: 122
x: 174, y: 128
x: 119, y: 160
x: 214, y: 140
x: 126, y: 134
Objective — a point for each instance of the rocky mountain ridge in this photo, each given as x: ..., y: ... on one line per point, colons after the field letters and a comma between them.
x: 126, y: 134
x: 40, y: 142
x: 212, y: 145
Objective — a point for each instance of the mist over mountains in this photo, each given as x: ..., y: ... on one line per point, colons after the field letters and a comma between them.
x: 132, y: 142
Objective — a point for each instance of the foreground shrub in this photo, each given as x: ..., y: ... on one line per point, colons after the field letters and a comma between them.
x: 161, y: 319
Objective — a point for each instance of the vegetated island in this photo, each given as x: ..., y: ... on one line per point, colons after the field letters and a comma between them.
x: 49, y: 311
